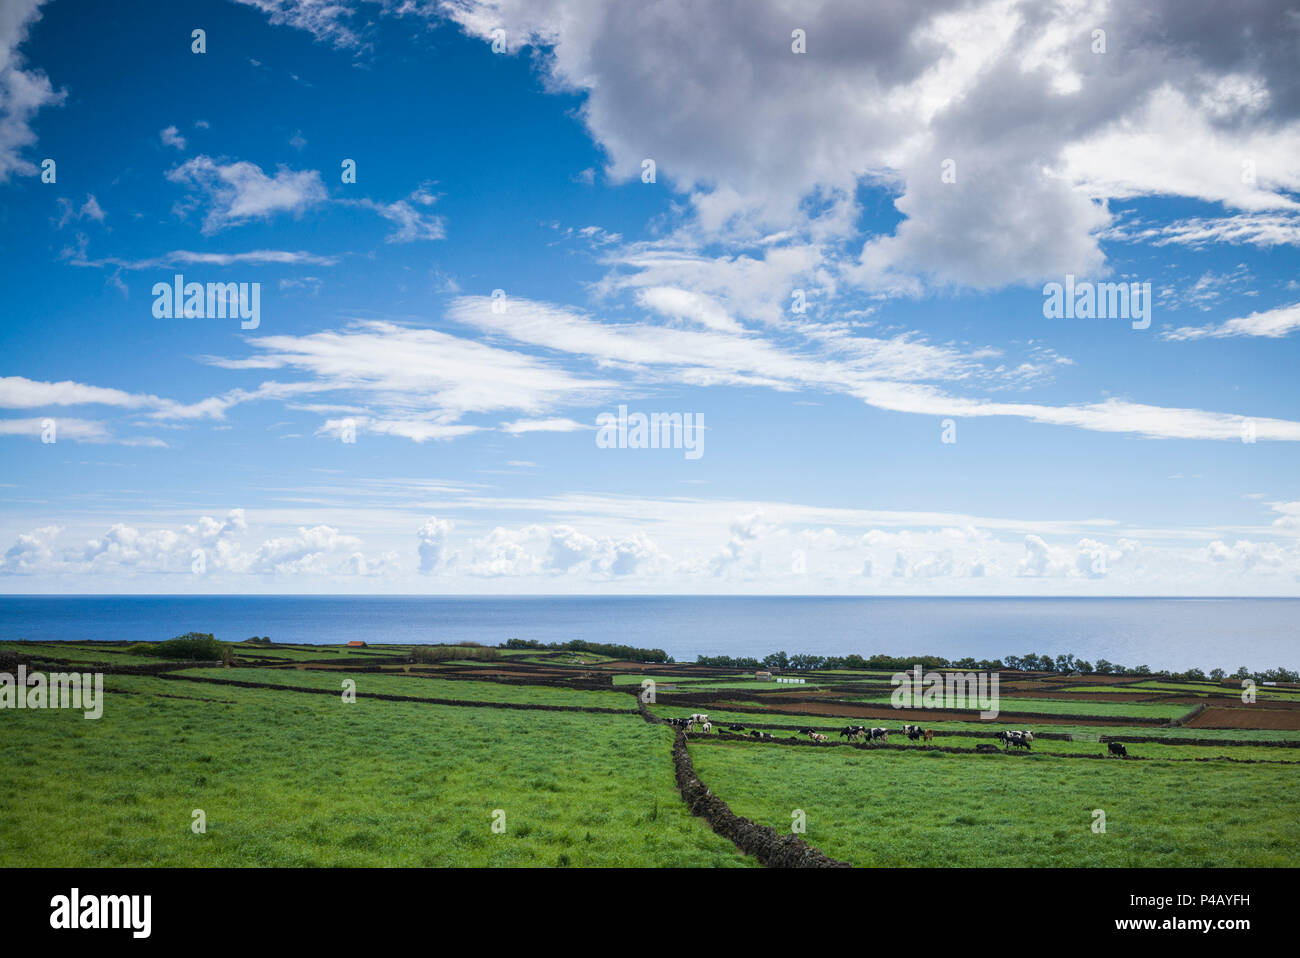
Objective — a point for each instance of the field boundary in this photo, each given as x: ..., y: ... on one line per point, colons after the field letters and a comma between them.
x: 1053, y: 736
x: 762, y: 841
x: 389, y: 697
x: 962, y: 750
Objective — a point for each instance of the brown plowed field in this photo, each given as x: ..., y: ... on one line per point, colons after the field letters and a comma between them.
x: 1248, y: 716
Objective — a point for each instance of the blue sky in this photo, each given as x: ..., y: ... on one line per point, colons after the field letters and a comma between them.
x: 916, y: 177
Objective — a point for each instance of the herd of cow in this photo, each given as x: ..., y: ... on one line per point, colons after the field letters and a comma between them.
x: 1010, y: 738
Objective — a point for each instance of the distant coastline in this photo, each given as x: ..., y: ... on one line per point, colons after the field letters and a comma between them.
x: 1176, y: 634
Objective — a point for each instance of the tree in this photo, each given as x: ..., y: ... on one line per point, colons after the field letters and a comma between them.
x: 777, y: 660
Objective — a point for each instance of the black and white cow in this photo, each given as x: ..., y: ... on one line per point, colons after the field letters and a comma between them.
x: 735, y: 728
x: 1117, y: 748
x: 878, y: 735
x: 853, y: 732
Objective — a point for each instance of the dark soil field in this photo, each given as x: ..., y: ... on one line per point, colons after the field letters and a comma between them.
x: 1247, y: 716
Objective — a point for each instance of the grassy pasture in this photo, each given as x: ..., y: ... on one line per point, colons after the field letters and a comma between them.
x: 470, y: 690
x: 933, y: 809
x: 980, y: 730
x: 291, y: 779
x: 304, y: 780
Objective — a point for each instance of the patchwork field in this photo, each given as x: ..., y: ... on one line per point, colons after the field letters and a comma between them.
x: 550, y: 759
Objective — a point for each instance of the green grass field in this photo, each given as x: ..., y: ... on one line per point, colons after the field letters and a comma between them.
x: 933, y: 809
x: 304, y: 780
x: 289, y: 778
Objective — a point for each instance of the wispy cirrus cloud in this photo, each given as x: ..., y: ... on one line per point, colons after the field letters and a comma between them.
x: 182, y: 257
x: 1271, y: 324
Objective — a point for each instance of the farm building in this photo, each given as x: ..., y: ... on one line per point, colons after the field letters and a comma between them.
x: 764, y: 676
x: 356, y: 644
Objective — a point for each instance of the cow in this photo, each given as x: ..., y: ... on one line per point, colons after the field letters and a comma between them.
x: 852, y: 732
x: 817, y: 736
x: 878, y: 734
x: 707, y: 727
x: 1019, y: 740
x: 736, y: 728
x: 913, y: 732
x: 804, y: 731
x: 761, y: 736
x: 928, y: 735
x: 699, y: 718
x: 1116, y: 748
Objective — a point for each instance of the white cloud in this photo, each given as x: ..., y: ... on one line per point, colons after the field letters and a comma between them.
x: 171, y: 136
x: 33, y: 551
x: 77, y: 430
x: 418, y: 383
x: 238, y: 192
x: 410, y: 216
x: 433, y: 543
x: 866, y: 368
x: 559, y: 424
x: 181, y: 257
x: 1272, y: 323
x: 23, y: 91
x: 326, y: 20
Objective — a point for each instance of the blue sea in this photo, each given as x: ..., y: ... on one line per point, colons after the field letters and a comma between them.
x: 1162, y: 633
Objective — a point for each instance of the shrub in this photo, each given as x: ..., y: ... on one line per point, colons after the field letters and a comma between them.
x: 199, y: 646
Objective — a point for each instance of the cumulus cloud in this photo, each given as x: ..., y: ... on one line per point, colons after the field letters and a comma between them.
x: 433, y: 543
x: 33, y: 551
x: 308, y: 551
x: 24, y: 91
x: 561, y: 550
x: 206, y: 547
x: 239, y: 192
x: 171, y: 136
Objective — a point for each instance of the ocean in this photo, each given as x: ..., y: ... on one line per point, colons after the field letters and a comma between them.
x: 1174, y: 634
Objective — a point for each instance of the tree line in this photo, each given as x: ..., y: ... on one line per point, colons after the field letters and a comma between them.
x: 595, y: 648
x: 1066, y: 664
